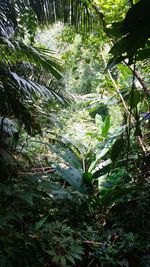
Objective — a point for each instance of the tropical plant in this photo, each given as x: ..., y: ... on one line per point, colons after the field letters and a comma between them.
x: 132, y: 33
x: 19, y: 65
x: 74, y: 200
x: 63, y: 247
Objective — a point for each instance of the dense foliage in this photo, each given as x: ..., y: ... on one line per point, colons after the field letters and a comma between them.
x: 74, y: 133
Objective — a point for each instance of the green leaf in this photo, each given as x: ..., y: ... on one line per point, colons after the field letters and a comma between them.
x: 77, y: 256
x: 40, y: 223
x: 99, y: 138
x: 67, y: 154
x: 63, y: 260
x: 117, y: 149
x: 114, y: 61
x: 120, y: 47
x: 61, y: 194
x: 143, y: 54
x: 115, y: 29
x: 101, y: 180
x: 106, y: 126
x: 28, y: 197
x: 87, y: 176
x: 71, y: 259
x: 102, y: 153
x: 56, y: 259
x: 72, y: 176
x: 98, y: 121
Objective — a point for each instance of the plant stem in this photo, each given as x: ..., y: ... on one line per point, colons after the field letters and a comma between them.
x: 114, y: 83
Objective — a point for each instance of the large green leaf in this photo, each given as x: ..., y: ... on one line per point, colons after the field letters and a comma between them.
x: 72, y: 176
x: 100, y: 155
x: 143, y: 54
x: 133, y: 34
x: 117, y: 149
x: 67, y: 154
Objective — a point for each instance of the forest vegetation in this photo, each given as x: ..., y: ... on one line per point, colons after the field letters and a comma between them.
x: 74, y: 133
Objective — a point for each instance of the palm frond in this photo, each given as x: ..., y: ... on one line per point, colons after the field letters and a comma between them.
x: 28, y: 88
x: 12, y: 105
x: 41, y: 57
x: 8, y: 128
x: 27, y: 72
x: 17, y: 96
x: 33, y: 69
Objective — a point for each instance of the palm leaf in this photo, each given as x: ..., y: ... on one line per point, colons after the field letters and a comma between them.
x: 40, y: 57
x: 29, y: 88
x: 20, y: 63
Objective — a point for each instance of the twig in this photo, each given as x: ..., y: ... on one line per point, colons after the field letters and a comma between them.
x: 92, y: 242
x: 144, y: 86
x: 142, y: 145
x: 90, y: 263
